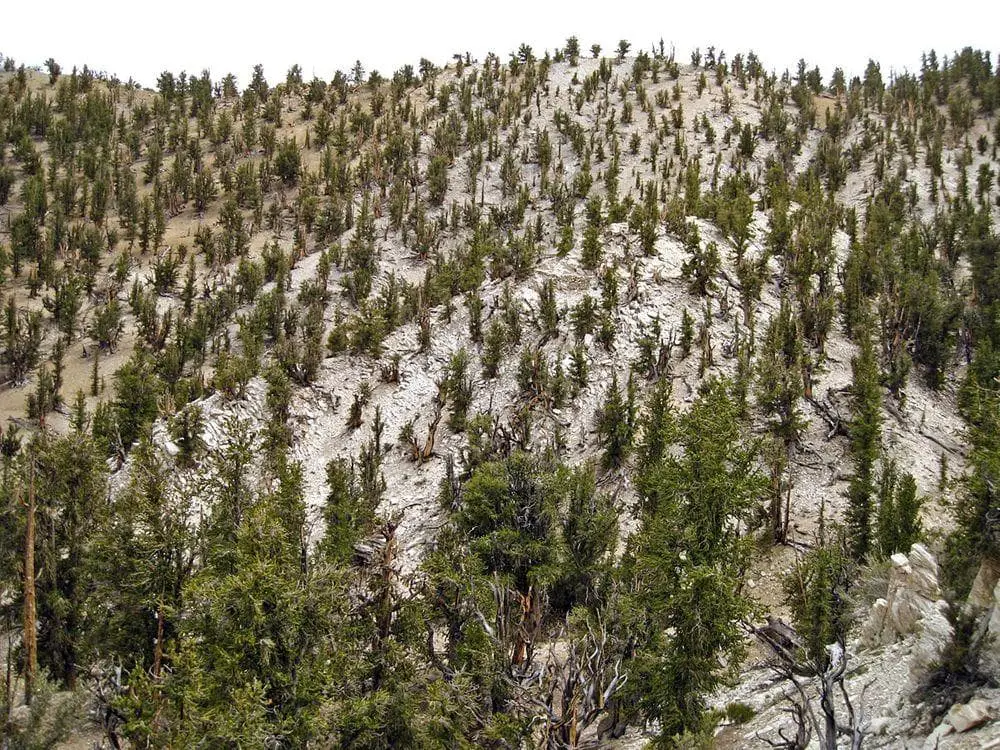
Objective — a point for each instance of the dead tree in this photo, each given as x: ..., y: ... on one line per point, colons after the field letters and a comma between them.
x: 812, y: 681
x: 354, y: 418
x: 382, y: 596
x: 576, y: 689
x: 416, y: 452
x: 831, y: 415
x: 106, y: 687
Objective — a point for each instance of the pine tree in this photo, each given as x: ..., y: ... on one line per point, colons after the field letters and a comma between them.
x: 437, y: 179
x: 144, y: 555
x: 69, y: 477
x: 817, y: 591
x: 690, y: 557
x: 616, y: 425
x: 866, y: 438
x: 29, y: 636
x: 898, y: 522
x: 779, y: 376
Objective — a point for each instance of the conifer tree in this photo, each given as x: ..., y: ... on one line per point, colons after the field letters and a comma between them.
x: 690, y: 557
x: 866, y: 442
x: 779, y: 378
x: 616, y: 424
x: 69, y: 477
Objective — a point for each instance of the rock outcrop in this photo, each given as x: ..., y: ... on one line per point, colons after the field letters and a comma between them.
x: 912, y: 606
x: 984, y: 603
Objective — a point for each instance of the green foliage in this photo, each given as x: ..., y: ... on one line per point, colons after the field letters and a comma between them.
x: 616, y: 424
x: 734, y: 213
x: 194, y: 575
x: 355, y: 491
x: 703, y: 265
x: 144, y: 554
x: 22, y: 339
x: 51, y: 719
x: 592, y: 251
x: 691, y: 554
x: 494, y: 345
x: 68, y: 475
x: 779, y: 376
x: 866, y: 444
x: 898, y: 523
x: 107, y: 326
x: 589, y: 523
x: 458, y: 386
x: 437, y: 179
x: 137, y: 389
x: 512, y: 519
x: 978, y: 507
x: 817, y: 593
x: 572, y: 50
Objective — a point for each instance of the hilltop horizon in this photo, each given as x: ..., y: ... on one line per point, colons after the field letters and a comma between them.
x: 141, y: 43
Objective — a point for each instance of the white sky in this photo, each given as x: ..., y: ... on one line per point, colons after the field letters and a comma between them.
x: 139, y: 38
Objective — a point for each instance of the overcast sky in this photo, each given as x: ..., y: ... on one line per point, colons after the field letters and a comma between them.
x: 139, y: 39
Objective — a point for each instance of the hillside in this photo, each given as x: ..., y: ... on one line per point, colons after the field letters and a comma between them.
x: 489, y: 404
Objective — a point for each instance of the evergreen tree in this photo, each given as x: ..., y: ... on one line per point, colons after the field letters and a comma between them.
x: 866, y: 442
x: 779, y: 376
x: 817, y: 591
x: 898, y: 522
x: 68, y: 477
x: 689, y: 560
x: 616, y: 424
x: 143, y: 557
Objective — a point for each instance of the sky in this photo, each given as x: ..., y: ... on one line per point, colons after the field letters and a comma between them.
x: 140, y: 39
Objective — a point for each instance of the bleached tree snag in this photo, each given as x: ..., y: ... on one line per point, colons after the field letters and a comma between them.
x: 812, y: 680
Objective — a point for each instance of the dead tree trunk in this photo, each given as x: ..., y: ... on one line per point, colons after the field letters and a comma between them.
x: 828, y: 676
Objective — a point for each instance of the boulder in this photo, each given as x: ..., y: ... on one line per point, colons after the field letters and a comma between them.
x: 924, y: 572
x: 874, y: 626
x: 966, y: 716
x: 933, y: 740
x: 913, y: 594
x: 936, y: 633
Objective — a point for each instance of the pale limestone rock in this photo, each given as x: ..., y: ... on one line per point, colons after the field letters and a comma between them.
x: 879, y: 726
x: 871, y: 630
x: 934, y: 738
x: 912, y: 606
x: 966, y: 716
x: 935, y: 634
x: 982, y: 596
x: 984, y: 601
x: 924, y: 571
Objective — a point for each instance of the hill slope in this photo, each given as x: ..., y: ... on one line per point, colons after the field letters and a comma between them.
x: 431, y: 275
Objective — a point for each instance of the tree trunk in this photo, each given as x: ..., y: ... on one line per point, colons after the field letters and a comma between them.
x: 158, y: 648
